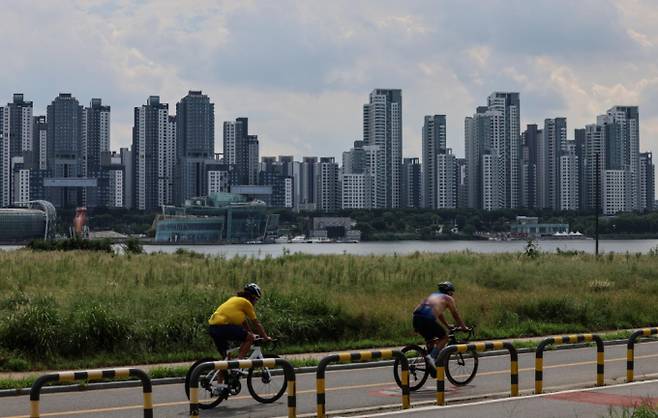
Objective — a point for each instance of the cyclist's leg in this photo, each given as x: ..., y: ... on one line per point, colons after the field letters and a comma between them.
x: 218, y: 335
x: 246, y: 344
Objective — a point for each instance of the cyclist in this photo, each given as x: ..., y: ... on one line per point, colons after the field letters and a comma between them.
x: 429, y: 321
x: 231, y: 321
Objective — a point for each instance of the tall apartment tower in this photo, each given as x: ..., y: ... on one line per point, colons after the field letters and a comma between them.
x: 195, y: 145
x: 647, y: 181
x: 579, y: 140
x: 382, y: 126
x: 16, y: 146
x: 95, y: 136
x: 411, y: 193
x: 241, y: 150
x: 304, y: 181
x: 507, y: 146
x: 569, y: 181
x: 64, y: 142
x: 95, y: 141
x: 461, y: 179
x: 593, y: 168
x: 152, y: 155
x: 623, y: 149
x: 550, y: 150
x: 434, y: 143
x: 529, y: 142
x: 327, y: 186
x: 485, y: 158
x: 446, y: 184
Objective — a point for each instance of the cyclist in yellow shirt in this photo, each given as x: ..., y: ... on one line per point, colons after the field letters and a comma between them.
x: 231, y: 321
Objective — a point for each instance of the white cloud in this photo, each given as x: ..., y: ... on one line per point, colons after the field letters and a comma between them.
x: 301, y: 70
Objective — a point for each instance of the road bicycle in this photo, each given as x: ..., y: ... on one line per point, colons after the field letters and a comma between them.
x: 266, y: 385
x: 460, y: 368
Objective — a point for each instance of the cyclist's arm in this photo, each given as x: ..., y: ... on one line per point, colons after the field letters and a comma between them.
x: 259, y: 329
x: 443, y: 321
x: 455, y: 313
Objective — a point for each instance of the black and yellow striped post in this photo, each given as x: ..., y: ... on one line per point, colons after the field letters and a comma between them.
x: 568, y: 339
x: 630, y: 350
x: 444, y: 355
x: 359, y: 356
x: 288, y: 371
x: 63, y: 377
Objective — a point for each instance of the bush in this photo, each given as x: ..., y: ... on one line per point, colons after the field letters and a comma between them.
x: 71, y: 244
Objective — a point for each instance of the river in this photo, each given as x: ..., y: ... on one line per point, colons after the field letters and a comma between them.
x: 404, y: 247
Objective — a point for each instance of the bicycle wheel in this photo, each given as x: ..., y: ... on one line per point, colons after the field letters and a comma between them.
x: 418, y: 367
x: 209, y: 396
x: 267, y: 384
x: 461, y: 367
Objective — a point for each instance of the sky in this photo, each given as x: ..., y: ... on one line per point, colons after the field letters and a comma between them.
x: 302, y: 70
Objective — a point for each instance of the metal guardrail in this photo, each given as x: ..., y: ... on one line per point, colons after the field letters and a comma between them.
x: 61, y: 377
x: 445, y: 354
x: 288, y: 371
x: 630, y: 350
x: 354, y: 357
x: 568, y: 339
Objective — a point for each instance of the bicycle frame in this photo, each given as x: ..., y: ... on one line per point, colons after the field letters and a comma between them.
x: 256, y: 354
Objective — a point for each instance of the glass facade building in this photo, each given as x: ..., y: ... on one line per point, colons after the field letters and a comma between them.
x: 218, y: 218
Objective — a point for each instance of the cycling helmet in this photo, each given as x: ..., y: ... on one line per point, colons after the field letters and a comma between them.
x: 253, y: 289
x: 446, y: 287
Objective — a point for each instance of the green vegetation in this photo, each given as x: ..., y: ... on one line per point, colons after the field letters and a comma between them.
x: 82, y: 309
x: 71, y: 244
x: 647, y: 410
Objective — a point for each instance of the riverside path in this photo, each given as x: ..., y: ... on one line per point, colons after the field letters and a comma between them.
x: 369, y: 390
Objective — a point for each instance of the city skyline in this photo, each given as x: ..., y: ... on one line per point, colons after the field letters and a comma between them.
x: 295, y: 69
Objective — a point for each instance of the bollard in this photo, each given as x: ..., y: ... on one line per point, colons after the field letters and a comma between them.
x: 630, y: 350
x: 444, y: 355
x: 568, y: 339
x: 35, y: 391
x: 359, y: 356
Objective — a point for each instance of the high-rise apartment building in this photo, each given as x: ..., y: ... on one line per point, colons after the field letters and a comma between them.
x: 647, y: 181
x: 305, y: 183
x: 569, y: 181
x: 66, y: 183
x: 241, y: 151
x: 529, y: 142
x: 507, y: 145
x: 16, y: 140
x: 151, y: 152
x: 446, y: 184
x: 327, y: 190
x: 95, y: 140
x: 550, y: 149
x: 434, y: 143
x: 461, y: 179
x: 410, y: 190
x: 355, y: 191
x: 485, y: 158
x: 382, y: 127
x: 622, y: 145
x: 195, y: 145
x: 593, y: 165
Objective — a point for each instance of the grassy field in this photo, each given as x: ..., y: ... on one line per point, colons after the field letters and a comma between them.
x: 77, y: 309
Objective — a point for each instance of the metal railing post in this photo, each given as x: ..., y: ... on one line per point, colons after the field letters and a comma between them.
x: 630, y: 350
x: 35, y: 391
x: 288, y: 370
x: 361, y: 356
x: 569, y: 339
x: 444, y: 356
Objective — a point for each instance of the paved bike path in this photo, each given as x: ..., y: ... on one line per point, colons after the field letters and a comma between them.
x: 588, y: 403
x: 348, y: 389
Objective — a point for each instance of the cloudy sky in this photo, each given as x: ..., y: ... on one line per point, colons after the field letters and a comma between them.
x: 301, y: 70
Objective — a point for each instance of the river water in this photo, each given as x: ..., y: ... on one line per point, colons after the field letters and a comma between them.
x: 405, y: 247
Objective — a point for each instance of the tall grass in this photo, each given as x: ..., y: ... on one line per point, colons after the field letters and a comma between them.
x: 57, y: 307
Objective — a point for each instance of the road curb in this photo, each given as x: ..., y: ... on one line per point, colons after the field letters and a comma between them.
x: 299, y: 370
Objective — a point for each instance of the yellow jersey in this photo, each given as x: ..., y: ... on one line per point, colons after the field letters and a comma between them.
x: 233, y: 312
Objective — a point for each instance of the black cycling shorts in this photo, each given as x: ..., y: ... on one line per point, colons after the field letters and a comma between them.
x: 222, y: 334
x: 428, y: 328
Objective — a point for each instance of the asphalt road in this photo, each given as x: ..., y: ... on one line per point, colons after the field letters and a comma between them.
x: 360, y: 389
